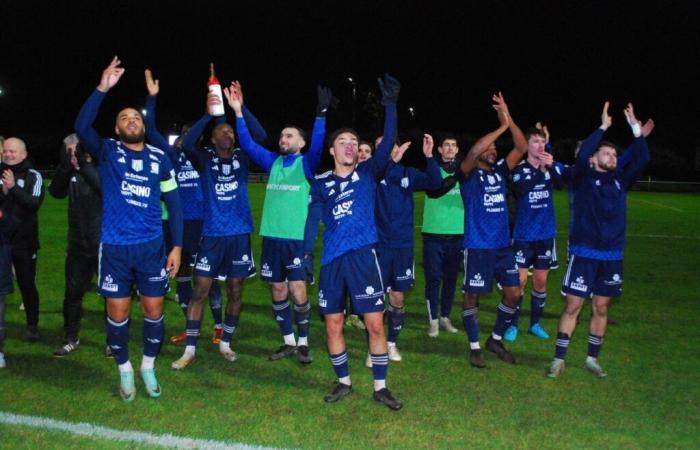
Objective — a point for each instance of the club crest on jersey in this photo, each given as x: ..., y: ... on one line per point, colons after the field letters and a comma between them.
x: 491, y: 179
x: 404, y: 182
x: 226, y: 169
x: 137, y: 165
x: 155, y: 168
x: 547, y: 176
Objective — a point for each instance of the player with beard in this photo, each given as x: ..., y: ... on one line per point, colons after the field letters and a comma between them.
x: 349, y: 263
x: 133, y: 176
x: 224, y: 251
x: 283, y: 234
x: 597, y: 238
x: 487, y: 251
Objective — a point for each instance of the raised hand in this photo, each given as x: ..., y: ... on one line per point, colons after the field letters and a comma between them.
x: 648, y: 127
x: 239, y: 88
x: 153, y: 86
x: 111, y: 75
x: 325, y: 100
x: 234, y: 96
x: 501, y: 102
x: 428, y: 145
x: 389, y: 88
x: 629, y: 115
x: 397, y: 152
x: 503, y: 117
x: 540, y: 126
x: 8, y: 181
x: 605, y: 119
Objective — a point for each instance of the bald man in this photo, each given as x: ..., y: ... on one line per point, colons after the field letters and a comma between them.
x: 21, y: 195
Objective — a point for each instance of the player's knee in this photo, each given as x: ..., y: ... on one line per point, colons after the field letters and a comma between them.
x: 279, y: 291
x: 470, y: 300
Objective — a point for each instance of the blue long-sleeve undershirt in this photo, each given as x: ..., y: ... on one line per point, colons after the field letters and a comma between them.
x: 89, y: 138
x: 175, y: 218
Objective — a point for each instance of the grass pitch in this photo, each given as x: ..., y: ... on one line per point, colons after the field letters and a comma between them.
x: 649, y: 400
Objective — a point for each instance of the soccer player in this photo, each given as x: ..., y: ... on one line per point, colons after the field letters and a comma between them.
x: 443, y: 233
x: 394, y: 214
x: 597, y: 237
x: 224, y: 251
x: 283, y: 234
x: 190, y: 191
x: 534, y: 231
x: 349, y: 262
x: 487, y: 251
x: 133, y: 176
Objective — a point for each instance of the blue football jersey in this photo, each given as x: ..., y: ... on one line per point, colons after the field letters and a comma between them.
x: 190, y: 188
x: 347, y: 210
x: 225, y: 188
x: 131, y: 190
x: 485, y: 208
x: 533, y: 192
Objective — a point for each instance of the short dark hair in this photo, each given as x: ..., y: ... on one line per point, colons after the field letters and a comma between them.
x: 302, y: 133
x: 334, y: 135
x: 607, y: 144
x: 447, y: 137
x: 368, y: 143
x: 533, y: 131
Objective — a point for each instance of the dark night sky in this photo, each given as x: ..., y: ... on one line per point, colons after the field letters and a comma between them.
x: 555, y: 61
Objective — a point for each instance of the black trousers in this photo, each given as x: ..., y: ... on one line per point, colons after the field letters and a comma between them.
x: 81, y: 266
x: 24, y: 262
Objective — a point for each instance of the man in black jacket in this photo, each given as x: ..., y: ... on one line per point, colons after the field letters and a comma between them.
x: 21, y: 195
x: 77, y: 178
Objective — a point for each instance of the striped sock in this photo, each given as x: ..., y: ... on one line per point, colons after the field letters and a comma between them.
x: 504, y: 318
x: 283, y: 316
x: 153, y: 332
x: 118, y: 339
x: 192, y: 332
x: 302, y: 317
x: 594, y: 345
x: 230, y: 324
x: 562, y: 345
x: 340, y: 365
x: 380, y: 366
x: 470, y: 318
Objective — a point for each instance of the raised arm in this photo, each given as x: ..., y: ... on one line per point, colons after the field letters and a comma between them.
x: 312, y: 158
x: 86, y: 117
x: 431, y: 179
x: 152, y: 133
x: 639, y: 150
x: 519, y: 142
x: 262, y: 156
x: 484, y: 142
x: 390, y: 88
x: 590, y: 144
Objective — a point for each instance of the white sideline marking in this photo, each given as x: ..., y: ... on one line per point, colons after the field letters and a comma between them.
x: 88, y: 429
x: 663, y: 236
x: 657, y: 204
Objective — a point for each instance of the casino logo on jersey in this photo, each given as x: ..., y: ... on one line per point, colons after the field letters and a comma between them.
x: 137, y: 165
x: 109, y: 285
x: 343, y: 209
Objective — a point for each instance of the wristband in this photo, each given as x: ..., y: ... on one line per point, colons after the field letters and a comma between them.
x: 636, y: 129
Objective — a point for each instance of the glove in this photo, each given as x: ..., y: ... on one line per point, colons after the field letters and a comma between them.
x: 308, y: 265
x: 390, y: 88
x: 325, y: 101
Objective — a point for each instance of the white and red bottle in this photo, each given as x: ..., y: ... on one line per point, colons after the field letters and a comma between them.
x: 215, y: 89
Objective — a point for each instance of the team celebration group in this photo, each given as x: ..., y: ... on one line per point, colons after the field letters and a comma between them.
x: 182, y: 211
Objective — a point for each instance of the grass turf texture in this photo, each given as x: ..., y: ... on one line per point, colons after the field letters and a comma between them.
x: 650, y: 398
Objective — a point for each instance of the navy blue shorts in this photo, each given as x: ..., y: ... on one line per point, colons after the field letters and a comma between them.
x: 225, y: 257
x: 355, y: 274
x: 535, y: 254
x: 481, y: 266
x: 586, y: 276
x: 397, y: 268
x: 120, y: 266
x: 191, y: 235
x: 282, y: 260
x: 6, y: 286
